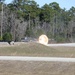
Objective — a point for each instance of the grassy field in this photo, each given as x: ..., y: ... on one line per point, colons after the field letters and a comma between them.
x: 35, y: 49
x: 36, y: 68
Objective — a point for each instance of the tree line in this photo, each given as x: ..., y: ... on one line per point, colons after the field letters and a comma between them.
x: 24, y: 18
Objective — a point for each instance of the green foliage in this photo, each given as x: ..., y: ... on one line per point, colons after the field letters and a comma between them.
x: 50, y: 19
x: 54, y: 6
x: 7, y: 37
x: 46, y: 13
x: 60, y: 39
x: 49, y: 35
x: 28, y: 32
x: 1, y: 38
x: 23, y: 7
x: 39, y: 32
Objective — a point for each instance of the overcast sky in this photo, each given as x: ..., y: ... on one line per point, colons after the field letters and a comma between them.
x: 62, y: 3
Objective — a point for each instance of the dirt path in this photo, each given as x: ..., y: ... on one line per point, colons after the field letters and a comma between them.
x: 63, y: 44
x: 21, y: 58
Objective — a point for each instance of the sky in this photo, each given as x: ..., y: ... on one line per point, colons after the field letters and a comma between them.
x: 62, y: 3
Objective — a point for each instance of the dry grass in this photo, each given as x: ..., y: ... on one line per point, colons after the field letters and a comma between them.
x: 36, y: 68
x: 35, y: 49
x: 65, y: 51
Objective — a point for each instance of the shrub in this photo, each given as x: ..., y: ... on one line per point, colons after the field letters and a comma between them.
x: 39, y: 32
x: 1, y: 38
x: 7, y: 37
x: 60, y: 39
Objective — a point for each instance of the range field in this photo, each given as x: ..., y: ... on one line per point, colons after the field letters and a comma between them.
x: 36, y: 68
x: 14, y: 67
x: 36, y: 49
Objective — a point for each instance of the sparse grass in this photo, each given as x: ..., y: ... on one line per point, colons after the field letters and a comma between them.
x: 35, y: 49
x: 36, y: 68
